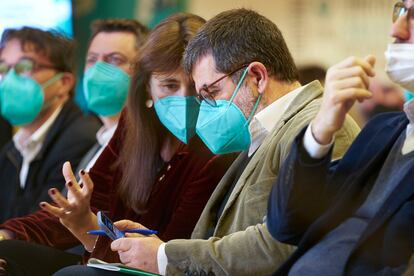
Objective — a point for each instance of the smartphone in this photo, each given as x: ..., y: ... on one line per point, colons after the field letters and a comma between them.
x: 106, y: 225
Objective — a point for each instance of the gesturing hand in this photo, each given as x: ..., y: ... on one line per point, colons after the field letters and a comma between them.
x: 345, y: 83
x: 74, y: 212
x: 137, y: 250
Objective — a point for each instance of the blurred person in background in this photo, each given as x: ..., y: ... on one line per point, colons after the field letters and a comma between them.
x: 310, y: 73
x: 386, y: 97
x: 36, y: 89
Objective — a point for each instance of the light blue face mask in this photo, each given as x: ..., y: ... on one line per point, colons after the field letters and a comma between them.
x: 22, y: 98
x: 106, y: 88
x: 223, y: 128
x: 408, y: 95
x: 179, y: 115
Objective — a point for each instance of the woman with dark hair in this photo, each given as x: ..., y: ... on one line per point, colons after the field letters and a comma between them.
x: 150, y: 171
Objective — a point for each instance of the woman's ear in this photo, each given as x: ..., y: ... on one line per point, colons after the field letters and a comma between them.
x: 259, y: 74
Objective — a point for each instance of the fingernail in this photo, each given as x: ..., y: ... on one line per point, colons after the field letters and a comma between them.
x: 70, y: 184
x: 52, y: 191
x: 82, y: 172
x: 42, y: 204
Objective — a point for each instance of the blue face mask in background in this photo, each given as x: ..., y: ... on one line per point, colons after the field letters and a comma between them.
x: 106, y: 88
x: 408, y: 95
x: 224, y: 128
x: 22, y: 98
x: 179, y: 115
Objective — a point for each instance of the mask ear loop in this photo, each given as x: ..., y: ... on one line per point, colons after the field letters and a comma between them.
x: 50, y: 81
x: 254, y: 109
x: 238, y: 85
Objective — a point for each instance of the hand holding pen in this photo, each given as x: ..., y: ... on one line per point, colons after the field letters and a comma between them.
x: 145, y: 232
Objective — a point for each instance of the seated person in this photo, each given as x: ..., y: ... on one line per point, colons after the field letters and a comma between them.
x: 36, y: 88
x: 355, y: 216
x: 252, y: 101
x: 113, y: 47
x: 5, y: 132
x: 146, y: 173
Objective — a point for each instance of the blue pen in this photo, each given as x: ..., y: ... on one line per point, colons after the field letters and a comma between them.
x: 145, y: 232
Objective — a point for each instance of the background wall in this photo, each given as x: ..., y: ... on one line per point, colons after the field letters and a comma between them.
x: 320, y: 31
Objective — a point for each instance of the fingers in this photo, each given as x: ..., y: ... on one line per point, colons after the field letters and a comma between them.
x: 87, y: 182
x: 352, y: 94
x: 75, y: 191
x: 122, y: 244
x: 128, y: 224
x: 352, y: 72
x: 56, y: 211
x: 68, y: 173
x: 59, y: 199
x: 370, y: 59
x: 366, y: 64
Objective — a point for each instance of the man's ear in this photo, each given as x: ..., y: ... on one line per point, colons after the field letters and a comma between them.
x: 259, y: 75
x: 67, y: 84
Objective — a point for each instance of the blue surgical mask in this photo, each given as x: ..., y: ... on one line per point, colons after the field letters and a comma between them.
x: 106, y: 88
x: 22, y: 98
x: 224, y: 128
x: 179, y: 115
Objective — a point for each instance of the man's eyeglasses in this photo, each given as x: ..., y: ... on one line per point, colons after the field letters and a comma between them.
x: 25, y: 66
x: 400, y: 9
x: 207, y: 96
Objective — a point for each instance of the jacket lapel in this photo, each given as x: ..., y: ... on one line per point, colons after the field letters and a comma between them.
x: 372, y: 155
x: 398, y: 197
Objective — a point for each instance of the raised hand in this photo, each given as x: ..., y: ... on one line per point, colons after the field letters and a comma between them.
x: 345, y: 83
x: 74, y: 212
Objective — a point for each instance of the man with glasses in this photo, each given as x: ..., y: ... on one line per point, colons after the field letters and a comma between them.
x: 355, y: 216
x: 251, y: 101
x: 36, y: 86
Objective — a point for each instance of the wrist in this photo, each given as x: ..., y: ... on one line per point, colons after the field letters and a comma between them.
x: 322, y: 134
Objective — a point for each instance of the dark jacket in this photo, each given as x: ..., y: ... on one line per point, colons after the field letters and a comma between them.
x: 312, y: 197
x: 182, y: 188
x: 5, y: 132
x: 68, y: 139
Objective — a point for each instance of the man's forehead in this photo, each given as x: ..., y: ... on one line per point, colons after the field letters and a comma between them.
x: 204, y: 71
x: 14, y: 50
x: 114, y: 41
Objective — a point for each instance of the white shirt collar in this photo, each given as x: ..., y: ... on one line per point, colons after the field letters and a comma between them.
x: 30, y: 147
x: 105, y: 134
x: 264, y: 121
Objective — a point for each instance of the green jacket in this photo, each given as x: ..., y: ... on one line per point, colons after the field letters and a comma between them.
x: 241, y: 244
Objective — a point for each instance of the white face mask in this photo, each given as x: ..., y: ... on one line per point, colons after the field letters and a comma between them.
x: 400, y: 64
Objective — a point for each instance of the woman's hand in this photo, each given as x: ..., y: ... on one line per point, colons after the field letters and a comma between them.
x: 74, y: 212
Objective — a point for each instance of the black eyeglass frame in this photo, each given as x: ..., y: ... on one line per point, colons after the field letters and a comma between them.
x: 206, y: 95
